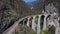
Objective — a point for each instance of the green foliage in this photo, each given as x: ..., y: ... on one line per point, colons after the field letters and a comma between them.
x: 30, y: 23
x: 9, y: 13
x: 24, y: 30
x: 45, y: 32
x: 7, y: 16
x: 36, y: 19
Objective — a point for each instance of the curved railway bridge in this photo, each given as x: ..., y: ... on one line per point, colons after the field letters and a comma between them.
x: 48, y: 19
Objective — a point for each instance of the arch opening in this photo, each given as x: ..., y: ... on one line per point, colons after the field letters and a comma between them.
x: 42, y: 21
x: 48, y: 16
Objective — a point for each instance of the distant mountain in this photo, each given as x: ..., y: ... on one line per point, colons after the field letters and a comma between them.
x: 30, y: 4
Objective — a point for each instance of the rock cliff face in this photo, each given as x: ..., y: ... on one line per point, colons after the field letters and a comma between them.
x: 51, y: 8
x: 55, y: 3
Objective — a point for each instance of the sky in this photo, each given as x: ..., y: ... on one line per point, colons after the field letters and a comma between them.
x: 29, y: 1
